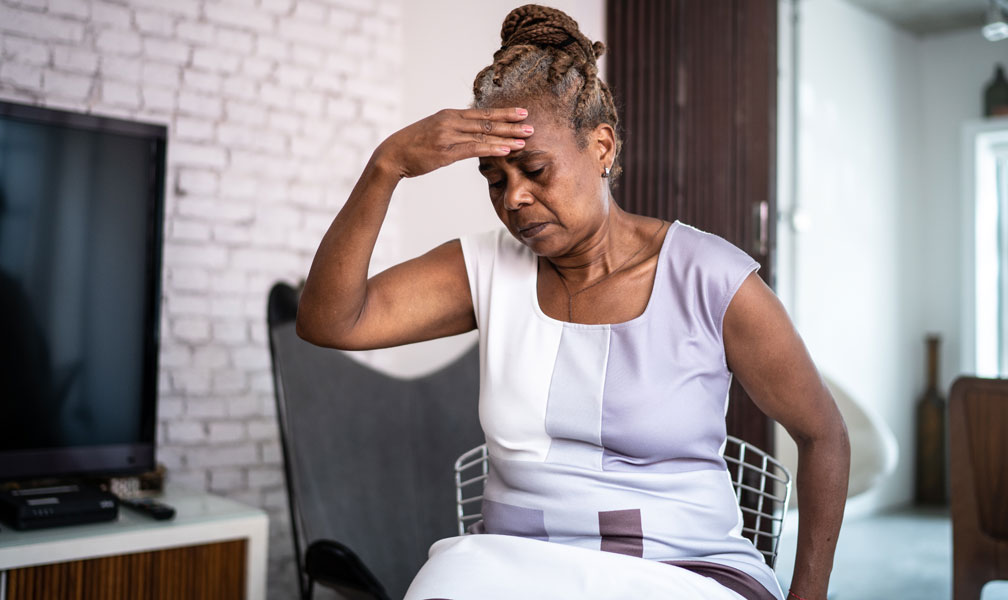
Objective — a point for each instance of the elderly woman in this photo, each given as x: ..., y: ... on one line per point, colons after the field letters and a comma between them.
x: 607, y: 341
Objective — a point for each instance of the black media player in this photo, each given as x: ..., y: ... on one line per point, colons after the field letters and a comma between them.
x: 37, y: 508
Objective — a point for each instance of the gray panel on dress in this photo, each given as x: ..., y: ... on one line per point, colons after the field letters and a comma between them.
x: 574, y: 409
x: 514, y: 520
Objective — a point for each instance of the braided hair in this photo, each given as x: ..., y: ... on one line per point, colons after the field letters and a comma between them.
x: 545, y: 58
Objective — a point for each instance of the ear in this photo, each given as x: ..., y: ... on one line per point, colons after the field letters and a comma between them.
x: 603, y: 144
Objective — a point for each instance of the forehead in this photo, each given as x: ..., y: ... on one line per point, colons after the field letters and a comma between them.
x: 552, y: 137
x: 539, y: 112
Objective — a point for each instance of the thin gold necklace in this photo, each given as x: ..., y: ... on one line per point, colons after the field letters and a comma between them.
x: 570, y: 296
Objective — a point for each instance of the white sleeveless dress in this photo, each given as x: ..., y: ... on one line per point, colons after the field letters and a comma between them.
x: 605, y: 441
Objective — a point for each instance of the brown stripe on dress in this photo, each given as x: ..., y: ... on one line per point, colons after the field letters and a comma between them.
x: 737, y: 581
x: 622, y: 532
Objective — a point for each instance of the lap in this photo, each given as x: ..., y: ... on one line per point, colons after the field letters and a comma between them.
x: 501, y: 567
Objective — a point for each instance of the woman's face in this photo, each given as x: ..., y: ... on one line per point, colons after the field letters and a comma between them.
x: 550, y: 195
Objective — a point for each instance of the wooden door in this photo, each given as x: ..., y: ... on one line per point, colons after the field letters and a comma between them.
x: 696, y: 82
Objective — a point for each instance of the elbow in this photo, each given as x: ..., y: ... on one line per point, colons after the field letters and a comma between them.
x: 829, y: 433
x: 832, y: 445
x: 326, y: 325
x: 314, y: 332
x: 303, y: 328
x: 836, y: 440
x: 309, y: 328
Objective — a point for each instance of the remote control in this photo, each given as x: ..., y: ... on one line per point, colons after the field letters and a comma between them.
x: 150, y: 507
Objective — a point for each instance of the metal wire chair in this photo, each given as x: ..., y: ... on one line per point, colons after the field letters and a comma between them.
x: 762, y: 487
x: 470, y: 474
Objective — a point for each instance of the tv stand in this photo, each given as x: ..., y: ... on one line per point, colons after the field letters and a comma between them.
x: 213, y: 548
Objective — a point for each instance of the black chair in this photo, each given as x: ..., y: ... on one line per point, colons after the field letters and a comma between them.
x: 368, y: 459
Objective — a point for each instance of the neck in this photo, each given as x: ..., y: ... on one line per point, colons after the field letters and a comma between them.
x: 601, y: 253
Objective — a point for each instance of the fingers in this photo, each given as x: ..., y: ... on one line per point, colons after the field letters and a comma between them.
x: 496, y: 140
x: 478, y: 132
x: 476, y: 149
x: 494, y: 114
x: 501, y: 122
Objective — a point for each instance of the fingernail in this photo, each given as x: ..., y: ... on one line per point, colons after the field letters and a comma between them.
x: 521, y: 112
x: 520, y: 142
x: 527, y: 128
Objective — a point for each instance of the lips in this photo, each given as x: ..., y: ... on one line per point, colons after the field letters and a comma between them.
x: 532, y: 229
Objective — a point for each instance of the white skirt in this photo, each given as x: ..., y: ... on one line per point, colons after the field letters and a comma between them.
x: 504, y: 567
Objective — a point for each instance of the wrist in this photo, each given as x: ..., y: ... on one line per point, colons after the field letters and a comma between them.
x: 385, y: 166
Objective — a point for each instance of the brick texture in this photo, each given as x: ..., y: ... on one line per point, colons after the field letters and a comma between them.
x: 272, y: 108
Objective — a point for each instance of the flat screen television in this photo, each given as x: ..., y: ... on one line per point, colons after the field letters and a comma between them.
x: 81, y: 219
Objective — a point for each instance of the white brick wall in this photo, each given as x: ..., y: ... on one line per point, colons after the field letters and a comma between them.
x: 272, y: 108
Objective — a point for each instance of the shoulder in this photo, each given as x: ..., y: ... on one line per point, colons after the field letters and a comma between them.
x: 708, y: 267
x: 705, y: 253
x: 497, y: 265
x: 705, y: 249
x: 489, y: 247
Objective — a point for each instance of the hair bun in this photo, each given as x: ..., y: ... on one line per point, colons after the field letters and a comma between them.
x: 545, y: 27
x: 599, y: 49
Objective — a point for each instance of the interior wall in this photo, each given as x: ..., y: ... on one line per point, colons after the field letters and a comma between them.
x: 272, y: 108
x: 877, y: 265
x: 850, y: 276
x: 446, y: 43
x: 955, y: 67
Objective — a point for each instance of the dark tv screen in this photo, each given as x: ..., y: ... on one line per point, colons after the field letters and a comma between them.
x: 81, y: 213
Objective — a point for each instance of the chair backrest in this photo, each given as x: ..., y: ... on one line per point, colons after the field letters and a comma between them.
x: 471, y: 471
x: 767, y: 483
x: 367, y: 455
x: 754, y: 473
x: 978, y: 445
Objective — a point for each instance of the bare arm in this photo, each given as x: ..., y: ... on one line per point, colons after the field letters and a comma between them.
x: 771, y: 362
x: 423, y: 298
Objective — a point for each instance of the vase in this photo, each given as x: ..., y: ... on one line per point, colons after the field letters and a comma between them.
x: 930, y: 487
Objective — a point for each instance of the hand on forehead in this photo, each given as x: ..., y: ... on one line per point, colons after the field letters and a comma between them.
x: 550, y: 130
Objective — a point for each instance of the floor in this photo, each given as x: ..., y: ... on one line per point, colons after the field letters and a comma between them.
x: 903, y: 554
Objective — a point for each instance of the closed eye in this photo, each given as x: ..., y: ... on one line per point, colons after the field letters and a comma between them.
x: 502, y: 182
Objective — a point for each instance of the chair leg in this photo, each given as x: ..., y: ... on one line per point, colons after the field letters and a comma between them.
x: 309, y: 589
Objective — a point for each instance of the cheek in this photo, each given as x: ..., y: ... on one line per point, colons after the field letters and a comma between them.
x: 585, y: 175
x: 587, y: 194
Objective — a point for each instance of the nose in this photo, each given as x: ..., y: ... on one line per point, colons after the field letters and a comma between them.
x: 516, y: 196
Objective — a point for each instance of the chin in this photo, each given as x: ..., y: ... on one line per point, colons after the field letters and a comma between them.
x: 541, y: 245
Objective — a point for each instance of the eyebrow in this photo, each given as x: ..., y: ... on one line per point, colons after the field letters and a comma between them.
x: 485, y: 166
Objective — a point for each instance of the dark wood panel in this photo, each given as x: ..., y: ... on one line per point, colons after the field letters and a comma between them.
x: 978, y: 483
x: 696, y: 84
x: 985, y: 407
x: 206, y: 572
